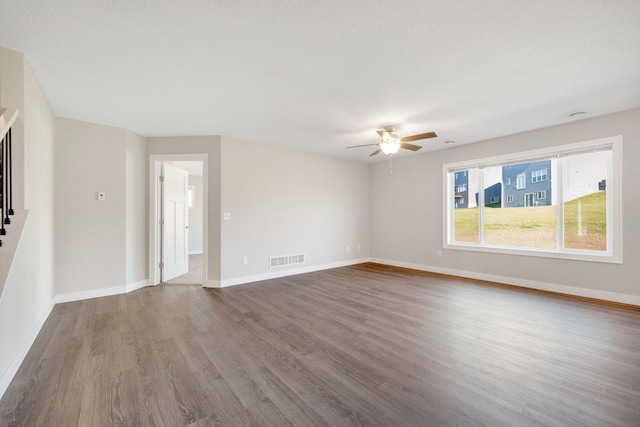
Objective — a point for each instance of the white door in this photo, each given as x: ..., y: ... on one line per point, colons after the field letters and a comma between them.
x: 175, y: 233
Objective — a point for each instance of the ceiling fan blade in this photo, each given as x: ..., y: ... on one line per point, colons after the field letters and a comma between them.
x: 410, y: 146
x: 381, y: 133
x: 365, y: 145
x: 375, y: 152
x: 418, y: 137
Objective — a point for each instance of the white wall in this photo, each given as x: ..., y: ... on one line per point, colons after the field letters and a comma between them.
x: 26, y: 299
x: 407, y: 215
x: 196, y: 216
x: 209, y: 145
x: 137, y: 217
x: 285, y: 202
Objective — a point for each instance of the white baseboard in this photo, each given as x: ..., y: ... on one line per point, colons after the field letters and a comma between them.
x: 8, y: 375
x: 524, y: 283
x: 281, y: 273
x: 212, y: 284
x: 97, y: 293
x: 94, y: 293
x: 137, y: 285
x: 195, y: 252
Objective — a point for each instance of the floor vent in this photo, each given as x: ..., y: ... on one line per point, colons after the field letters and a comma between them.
x: 279, y: 261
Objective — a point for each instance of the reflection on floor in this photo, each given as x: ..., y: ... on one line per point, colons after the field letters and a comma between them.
x: 193, y: 277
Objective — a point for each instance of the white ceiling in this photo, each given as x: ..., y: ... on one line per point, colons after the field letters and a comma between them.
x: 322, y: 75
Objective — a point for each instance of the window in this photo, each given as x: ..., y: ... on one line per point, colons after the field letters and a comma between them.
x: 461, y: 188
x: 573, y: 211
x: 539, y: 175
x: 190, y: 191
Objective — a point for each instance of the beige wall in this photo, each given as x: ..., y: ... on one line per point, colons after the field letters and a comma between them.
x: 407, y: 214
x: 285, y: 202
x: 92, y: 237
x: 27, y: 296
x: 137, y: 188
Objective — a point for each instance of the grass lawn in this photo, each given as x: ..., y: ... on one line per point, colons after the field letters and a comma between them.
x: 593, y: 232
x: 535, y: 227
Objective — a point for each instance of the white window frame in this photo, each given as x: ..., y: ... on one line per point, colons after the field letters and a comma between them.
x: 510, y: 198
x: 540, y: 175
x: 613, y: 254
x: 522, y: 175
x: 544, y: 195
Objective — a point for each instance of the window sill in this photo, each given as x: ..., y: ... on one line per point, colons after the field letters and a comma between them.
x: 588, y: 256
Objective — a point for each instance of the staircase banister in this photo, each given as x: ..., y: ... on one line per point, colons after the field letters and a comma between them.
x: 7, y: 117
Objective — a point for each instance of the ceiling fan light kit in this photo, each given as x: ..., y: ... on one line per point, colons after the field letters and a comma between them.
x: 391, y: 142
x: 390, y: 147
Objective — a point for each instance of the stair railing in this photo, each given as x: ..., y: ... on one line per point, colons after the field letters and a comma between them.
x: 7, y: 118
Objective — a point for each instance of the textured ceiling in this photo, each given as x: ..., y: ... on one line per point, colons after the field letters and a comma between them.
x: 322, y: 75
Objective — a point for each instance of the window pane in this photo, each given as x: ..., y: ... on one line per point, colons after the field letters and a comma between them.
x: 517, y: 207
x: 465, y: 204
x: 520, y: 213
x: 585, y: 207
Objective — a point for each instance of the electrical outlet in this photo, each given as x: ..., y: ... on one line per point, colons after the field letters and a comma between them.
x: 227, y: 216
x: 439, y: 253
x: 348, y: 248
x: 358, y: 247
x: 245, y: 260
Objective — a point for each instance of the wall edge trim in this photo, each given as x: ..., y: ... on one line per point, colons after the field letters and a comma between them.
x: 93, y: 293
x: 522, y: 283
x: 137, y: 285
x: 289, y: 272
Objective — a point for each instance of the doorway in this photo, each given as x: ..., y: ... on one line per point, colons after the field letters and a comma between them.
x: 178, y: 219
x: 529, y: 200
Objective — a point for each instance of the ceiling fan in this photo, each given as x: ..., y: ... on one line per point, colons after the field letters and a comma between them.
x: 391, y: 142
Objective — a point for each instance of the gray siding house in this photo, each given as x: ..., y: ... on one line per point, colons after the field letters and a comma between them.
x: 461, y: 189
x: 492, y: 196
x: 527, y: 184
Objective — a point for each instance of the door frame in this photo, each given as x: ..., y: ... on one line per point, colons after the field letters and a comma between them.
x: 155, y: 161
x: 529, y: 197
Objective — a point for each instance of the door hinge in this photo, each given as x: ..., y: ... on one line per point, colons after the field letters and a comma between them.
x: 162, y: 265
x: 162, y: 222
x: 161, y: 178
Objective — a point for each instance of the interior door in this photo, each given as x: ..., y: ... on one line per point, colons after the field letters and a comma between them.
x: 175, y: 233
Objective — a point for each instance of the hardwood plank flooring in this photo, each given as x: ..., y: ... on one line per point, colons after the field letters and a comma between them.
x: 363, y: 345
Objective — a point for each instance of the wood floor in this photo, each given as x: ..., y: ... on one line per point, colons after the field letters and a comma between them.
x: 362, y: 345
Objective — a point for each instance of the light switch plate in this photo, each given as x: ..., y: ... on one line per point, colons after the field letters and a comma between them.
x: 227, y: 216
